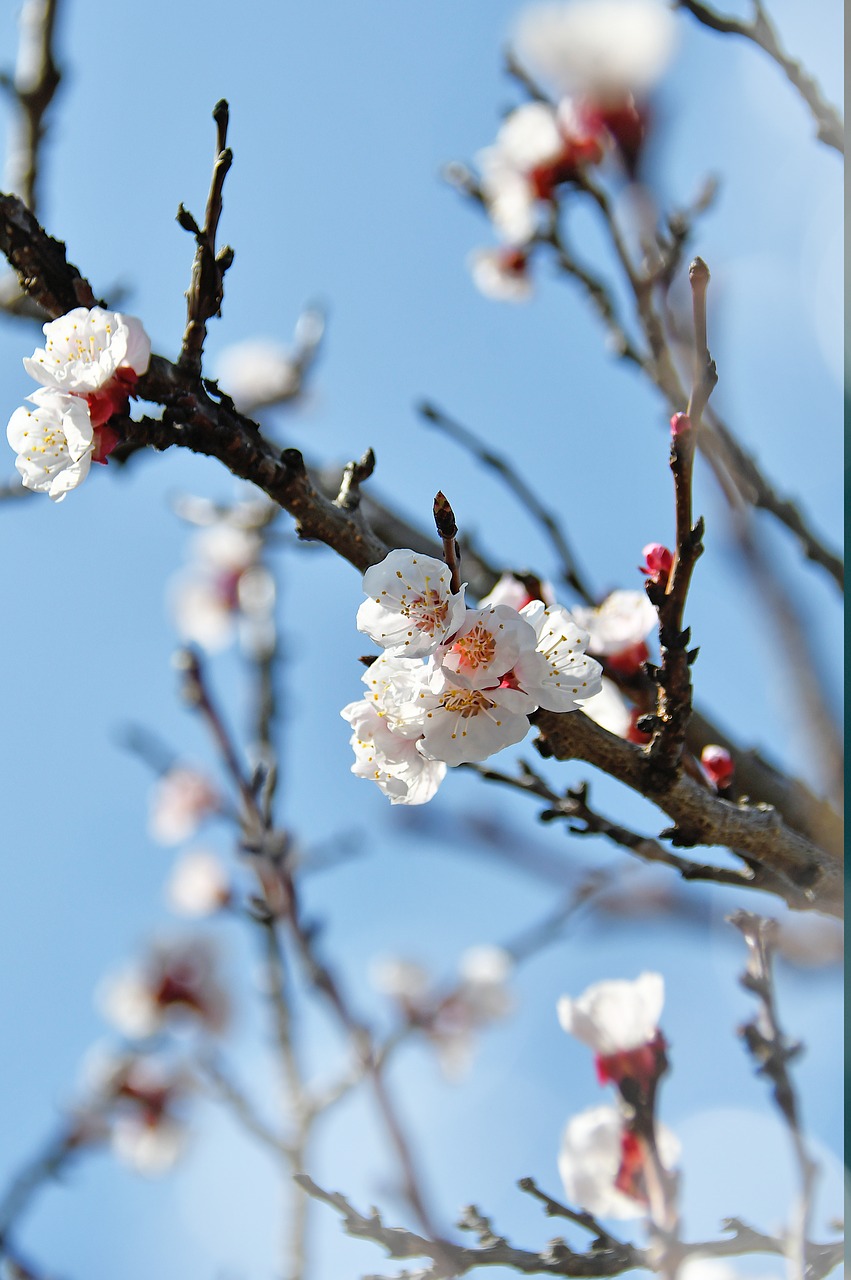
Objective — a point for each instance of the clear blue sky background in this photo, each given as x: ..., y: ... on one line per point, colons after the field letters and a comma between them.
x: 342, y: 116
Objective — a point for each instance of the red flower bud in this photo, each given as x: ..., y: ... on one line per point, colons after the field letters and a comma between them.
x: 658, y: 561
x: 717, y: 765
x: 680, y: 424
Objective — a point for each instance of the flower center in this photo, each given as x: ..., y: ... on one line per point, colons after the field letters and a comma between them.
x: 475, y: 649
x: 428, y: 612
x: 465, y: 702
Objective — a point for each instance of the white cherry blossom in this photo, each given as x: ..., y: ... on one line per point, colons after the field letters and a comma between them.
x: 603, y: 49
x: 54, y: 441
x: 85, y: 350
x: 591, y: 1155
x: 567, y: 674
x: 388, y: 759
x: 487, y: 645
x: 615, y: 1016
x: 400, y: 979
x: 461, y: 724
x: 485, y: 970
x: 624, y: 619
x: 411, y: 608
x: 176, y: 980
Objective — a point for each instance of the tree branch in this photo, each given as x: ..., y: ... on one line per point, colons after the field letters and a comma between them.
x: 829, y: 123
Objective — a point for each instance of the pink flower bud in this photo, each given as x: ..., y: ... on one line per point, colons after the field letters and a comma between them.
x: 718, y: 766
x: 680, y: 424
x: 658, y: 561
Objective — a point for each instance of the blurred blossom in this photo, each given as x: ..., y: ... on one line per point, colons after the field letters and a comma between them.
x: 511, y: 591
x: 400, y: 979
x: 501, y: 274
x: 207, y: 598
x: 257, y: 372
x: 148, y: 1144
x: 600, y: 49
x: 619, y: 1020
x: 622, y: 622
x: 138, y: 1096
x: 260, y: 371
x: 180, y: 801
x: 176, y: 981
x: 198, y: 885
x: 451, y: 1020
x: 596, y: 1151
x: 609, y: 709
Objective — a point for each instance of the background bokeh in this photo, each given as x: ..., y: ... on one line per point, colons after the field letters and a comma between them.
x: 341, y: 118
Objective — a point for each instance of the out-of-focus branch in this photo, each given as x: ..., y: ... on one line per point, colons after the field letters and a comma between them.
x: 829, y: 123
x: 524, y: 493
x: 449, y: 1260
x: 773, y: 1051
x: 32, y: 87
x: 47, y: 1165
x: 206, y: 288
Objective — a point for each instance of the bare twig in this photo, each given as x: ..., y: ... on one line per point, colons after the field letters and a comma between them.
x: 354, y: 474
x: 447, y: 529
x: 504, y: 468
x: 449, y: 1260
x: 829, y: 123
x: 48, y: 1164
x: 673, y: 675
x: 206, y: 288
x: 772, y: 1052
x: 573, y: 806
x: 755, y: 832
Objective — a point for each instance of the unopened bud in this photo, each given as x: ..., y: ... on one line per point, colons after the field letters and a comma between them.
x: 658, y: 561
x: 680, y: 424
x: 717, y: 765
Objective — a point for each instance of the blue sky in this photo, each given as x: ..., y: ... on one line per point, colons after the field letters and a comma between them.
x: 341, y: 119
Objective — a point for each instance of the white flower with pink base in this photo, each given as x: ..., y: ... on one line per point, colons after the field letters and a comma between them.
x: 600, y: 1163
x: 411, y: 608
x: 95, y: 354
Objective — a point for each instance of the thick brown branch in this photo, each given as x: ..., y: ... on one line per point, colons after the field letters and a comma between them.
x: 756, y: 833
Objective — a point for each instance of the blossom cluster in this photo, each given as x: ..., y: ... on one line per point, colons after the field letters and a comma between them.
x: 454, y: 684
x: 450, y: 1018
x: 88, y: 369
x: 600, y: 58
x: 225, y: 591
x: 603, y: 1150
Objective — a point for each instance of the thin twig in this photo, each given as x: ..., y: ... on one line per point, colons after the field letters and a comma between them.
x: 206, y: 289
x: 673, y: 675
x: 830, y: 127
x: 527, y: 497
x: 772, y: 1052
